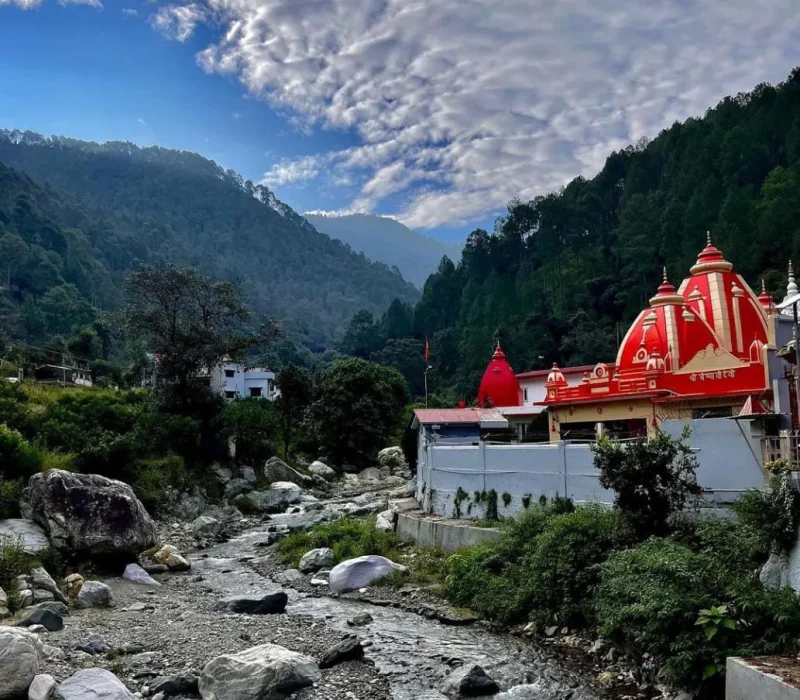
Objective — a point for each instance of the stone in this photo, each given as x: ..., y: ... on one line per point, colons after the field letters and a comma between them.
x: 774, y: 575
x: 599, y: 647
x: 276, y: 499
x: 206, y: 526
x: 357, y: 573
x: 235, y: 487
x: 136, y: 574
x: 92, y: 684
x: 95, y: 645
x: 42, y: 581
x: 469, y: 681
x: 551, y: 631
x: 21, y: 657
x: 25, y: 596
x: 42, y: 687
x: 277, y: 470
x: 360, y: 620
x: 72, y: 585
x: 89, y: 515
x: 317, y: 559
x: 349, y: 649
x: 248, y: 474
x: 95, y: 595
x: 321, y: 469
x: 171, y: 557
x: 4, y: 611
x: 227, y: 515
x: 266, y: 672
x: 369, y: 474
x: 318, y: 582
x: 189, y: 506
x: 393, y: 458
x: 31, y: 537
x: 52, y: 622
x: 175, y: 685
x: 270, y: 604
x: 55, y: 606
x: 223, y: 474
x: 307, y: 521
x: 385, y: 521
x: 290, y: 576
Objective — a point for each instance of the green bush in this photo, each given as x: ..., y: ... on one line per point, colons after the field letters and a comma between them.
x: 10, y: 491
x: 253, y: 424
x: 348, y: 538
x: 773, y: 513
x: 18, y: 458
x: 14, y: 561
x: 153, y: 479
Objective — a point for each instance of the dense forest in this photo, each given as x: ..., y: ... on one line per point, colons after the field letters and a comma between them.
x: 83, y: 214
x: 562, y: 276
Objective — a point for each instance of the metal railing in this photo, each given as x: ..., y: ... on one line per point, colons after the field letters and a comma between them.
x: 786, y: 446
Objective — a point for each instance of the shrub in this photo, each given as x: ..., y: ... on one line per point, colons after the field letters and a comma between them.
x: 153, y: 480
x: 773, y: 513
x: 18, y: 458
x: 14, y: 561
x: 653, y: 480
x: 253, y: 424
x: 348, y: 538
x: 10, y: 491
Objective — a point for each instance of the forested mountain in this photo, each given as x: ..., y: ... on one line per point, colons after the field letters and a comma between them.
x: 562, y: 276
x: 388, y: 241
x: 125, y: 205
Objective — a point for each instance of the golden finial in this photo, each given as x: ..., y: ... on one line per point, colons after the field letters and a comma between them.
x: 664, y: 271
x: 708, y: 237
x: 763, y: 286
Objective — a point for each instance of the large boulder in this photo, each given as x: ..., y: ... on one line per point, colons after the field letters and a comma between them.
x: 93, y: 684
x: 21, y: 656
x: 266, y: 672
x: 469, y: 681
x: 89, y: 515
x: 276, y: 499
x: 206, y: 526
x: 270, y: 604
x: 393, y: 458
x: 51, y: 621
x: 775, y: 573
x: 4, y: 611
x: 316, y: 559
x: 357, y: 573
x: 277, y: 470
x: 189, y: 505
x: 94, y: 594
x: 227, y: 515
x: 30, y: 537
x: 318, y: 468
x: 136, y: 574
x: 237, y: 486
x: 42, y: 688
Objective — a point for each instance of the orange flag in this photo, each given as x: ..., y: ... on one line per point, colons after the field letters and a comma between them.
x: 427, y: 350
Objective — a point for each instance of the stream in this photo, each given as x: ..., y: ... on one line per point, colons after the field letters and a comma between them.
x: 412, y: 651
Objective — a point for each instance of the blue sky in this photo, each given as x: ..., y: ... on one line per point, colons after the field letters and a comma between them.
x: 437, y: 112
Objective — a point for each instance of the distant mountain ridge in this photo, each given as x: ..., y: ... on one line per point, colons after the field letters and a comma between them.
x: 386, y: 240
x: 159, y: 205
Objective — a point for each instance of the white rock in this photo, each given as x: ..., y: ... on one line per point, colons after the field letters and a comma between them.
x: 170, y: 556
x: 3, y: 604
x: 317, y: 559
x: 92, y: 684
x: 392, y: 457
x: 356, y: 573
x: 321, y: 469
x: 32, y: 537
x: 370, y: 474
x: 291, y: 491
x: 205, y: 525
x: 21, y: 656
x: 135, y: 573
x: 42, y: 688
x: 95, y: 595
x: 385, y: 521
x: 266, y: 672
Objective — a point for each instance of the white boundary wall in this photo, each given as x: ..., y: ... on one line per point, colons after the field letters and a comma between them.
x: 727, y: 453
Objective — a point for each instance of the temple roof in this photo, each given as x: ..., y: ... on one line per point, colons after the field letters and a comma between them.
x: 499, y: 386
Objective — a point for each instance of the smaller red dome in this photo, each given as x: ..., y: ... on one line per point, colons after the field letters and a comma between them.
x: 710, y: 259
x: 499, y: 386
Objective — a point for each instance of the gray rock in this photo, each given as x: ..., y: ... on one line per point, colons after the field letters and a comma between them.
x: 469, y: 681
x: 266, y: 672
x: 774, y: 575
x: 369, y: 474
x: 290, y: 576
x: 277, y: 470
x: 52, y: 622
x: 385, y: 521
x: 270, y: 604
x: 93, y: 684
x: 42, y: 687
x: 360, y: 620
x: 236, y: 487
x: 189, y: 506
x: 95, y: 645
x: 88, y: 514
x: 392, y: 458
x: 42, y: 581
x: 21, y: 657
x: 223, y: 474
x: 227, y: 515
x: 135, y: 573
x: 307, y: 521
x: 276, y: 499
x: 206, y: 526
x: 317, y: 559
x: 30, y: 536
x: 95, y: 595
x: 4, y: 611
x: 54, y: 605
x: 318, y: 468
x: 357, y: 573
x: 248, y: 474
x: 175, y: 685
x: 170, y: 556
x: 349, y: 649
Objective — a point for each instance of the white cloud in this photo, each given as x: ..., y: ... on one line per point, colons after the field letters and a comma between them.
x: 31, y: 4
x: 130, y: 12
x: 180, y: 20
x: 237, y: 115
x: 463, y: 104
x: 141, y: 121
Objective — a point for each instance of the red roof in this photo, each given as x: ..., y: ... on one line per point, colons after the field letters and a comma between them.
x: 499, y: 386
x: 454, y: 416
x: 578, y: 369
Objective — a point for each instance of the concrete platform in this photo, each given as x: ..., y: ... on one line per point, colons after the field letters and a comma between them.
x: 762, y: 678
x: 433, y: 531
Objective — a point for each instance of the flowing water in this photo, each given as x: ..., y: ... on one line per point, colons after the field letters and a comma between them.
x: 414, y: 652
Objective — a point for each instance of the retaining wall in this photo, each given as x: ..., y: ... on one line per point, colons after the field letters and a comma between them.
x: 444, y: 534
x: 743, y: 682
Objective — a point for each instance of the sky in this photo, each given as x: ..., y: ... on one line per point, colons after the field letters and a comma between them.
x: 436, y: 112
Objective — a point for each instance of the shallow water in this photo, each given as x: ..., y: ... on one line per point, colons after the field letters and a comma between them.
x: 414, y: 652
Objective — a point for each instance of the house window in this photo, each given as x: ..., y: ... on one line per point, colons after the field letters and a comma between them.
x: 230, y: 373
x: 255, y: 392
x: 712, y: 412
x: 525, y: 394
x: 230, y: 394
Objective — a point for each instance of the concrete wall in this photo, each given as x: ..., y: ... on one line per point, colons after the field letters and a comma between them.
x: 728, y: 457
x: 743, y: 682
x: 447, y: 535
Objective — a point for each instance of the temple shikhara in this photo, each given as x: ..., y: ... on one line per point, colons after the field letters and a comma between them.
x: 703, y: 349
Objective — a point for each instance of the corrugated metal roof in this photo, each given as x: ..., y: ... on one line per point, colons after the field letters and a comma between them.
x: 456, y: 416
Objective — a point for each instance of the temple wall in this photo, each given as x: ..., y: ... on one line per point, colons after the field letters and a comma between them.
x: 456, y: 479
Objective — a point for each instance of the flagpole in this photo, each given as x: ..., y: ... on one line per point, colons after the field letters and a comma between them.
x: 427, y: 356
x: 426, y: 385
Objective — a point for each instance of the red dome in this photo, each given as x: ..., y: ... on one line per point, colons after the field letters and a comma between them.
x: 499, y: 386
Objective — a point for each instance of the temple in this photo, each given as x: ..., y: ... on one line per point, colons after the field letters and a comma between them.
x: 703, y: 350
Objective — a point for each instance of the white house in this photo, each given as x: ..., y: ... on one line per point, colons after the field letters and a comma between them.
x: 234, y: 380
x: 532, y: 385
